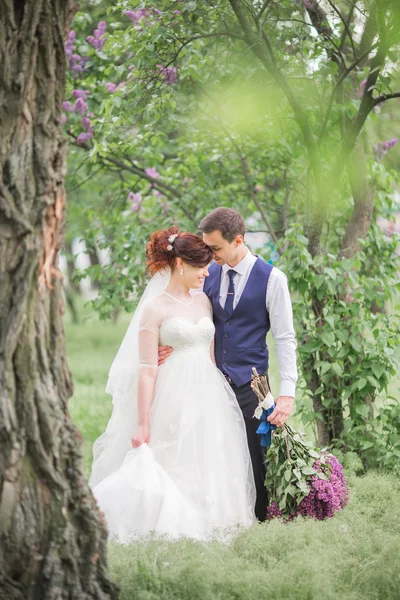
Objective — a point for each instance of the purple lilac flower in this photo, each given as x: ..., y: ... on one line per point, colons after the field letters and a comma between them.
x: 390, y: 143
x: 113, y: 87
x: 137, y: 16
x: 273, y: 511
x: 67, y: 106
x: 170, y: 74
x: 98, y: 39
x: 64, y: 118
x: 135, y: 199
x: 75, y: 61
x: 382, y: 148
x: 157, y: 193
x: 75, y: 64
x: 80, y: 106
x: 309, y: 4
x: 361, y: 89
x: 164, y: 208
x: 152, y: 172
x: 84, y: 137
x: 80, y: 94
x: 86, y: 123
x: 69, y: 44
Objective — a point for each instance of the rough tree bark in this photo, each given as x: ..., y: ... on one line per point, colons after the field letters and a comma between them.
x: 52, y: 536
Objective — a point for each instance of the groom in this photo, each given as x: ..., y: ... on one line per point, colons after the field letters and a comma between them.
x: 249, y: 297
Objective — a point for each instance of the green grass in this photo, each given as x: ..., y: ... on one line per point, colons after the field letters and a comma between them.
x: 354, y: 556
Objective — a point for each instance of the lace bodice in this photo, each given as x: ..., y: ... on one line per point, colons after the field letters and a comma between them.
x: 168, y: 322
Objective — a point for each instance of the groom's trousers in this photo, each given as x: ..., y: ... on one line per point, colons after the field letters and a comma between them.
x: 248, y: 402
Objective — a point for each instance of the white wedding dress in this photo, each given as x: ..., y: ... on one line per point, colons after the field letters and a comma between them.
x: 194, y: 478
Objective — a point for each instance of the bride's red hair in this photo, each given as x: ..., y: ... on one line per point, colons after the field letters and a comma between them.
x: 187, y: 246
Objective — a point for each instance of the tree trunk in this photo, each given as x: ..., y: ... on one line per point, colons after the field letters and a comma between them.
x: 94, y: 261
x: 363, y: 191
x: 323, y: 433
x: 52, y: 536
x: 69, y: 256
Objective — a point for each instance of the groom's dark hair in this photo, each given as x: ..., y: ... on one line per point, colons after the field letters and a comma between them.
x: 227, y: 220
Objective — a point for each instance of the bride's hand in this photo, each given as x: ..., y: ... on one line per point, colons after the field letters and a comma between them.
x: 142, y: 436
x: 164, y: 352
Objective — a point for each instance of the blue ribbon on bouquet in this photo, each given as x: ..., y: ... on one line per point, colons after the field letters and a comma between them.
x: 265, y: 428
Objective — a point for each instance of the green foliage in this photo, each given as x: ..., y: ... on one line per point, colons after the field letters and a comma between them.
x: 352, y: 350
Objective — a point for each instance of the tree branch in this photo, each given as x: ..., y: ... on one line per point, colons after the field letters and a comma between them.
x: 385, y: 97
x: 80, y: 184
x: 343, y: 76
x: 157, y: 184
x: 367, y: 100
x: 257, y: 46
x: 320, y: 22
x: 348, y: 21
x: 262, y: 10
x: 346, y: 27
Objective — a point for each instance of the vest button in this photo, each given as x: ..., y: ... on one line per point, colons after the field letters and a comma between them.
x: 228, y: 323
x: 226, y: 335
x: 225, y: 364
x: 225, y: 351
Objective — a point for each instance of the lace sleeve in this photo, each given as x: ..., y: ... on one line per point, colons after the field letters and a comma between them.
x: 148, y: 336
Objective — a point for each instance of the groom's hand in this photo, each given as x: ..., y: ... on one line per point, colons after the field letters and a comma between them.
x: 283, y: 409
x: 163, y: 353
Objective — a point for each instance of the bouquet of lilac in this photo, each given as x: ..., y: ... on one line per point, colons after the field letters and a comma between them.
x: 300, y: 479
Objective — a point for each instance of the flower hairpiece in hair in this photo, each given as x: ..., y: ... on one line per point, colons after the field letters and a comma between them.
x: 171, y: 239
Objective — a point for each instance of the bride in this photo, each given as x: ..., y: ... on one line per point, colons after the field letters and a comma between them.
x: 189, y: 472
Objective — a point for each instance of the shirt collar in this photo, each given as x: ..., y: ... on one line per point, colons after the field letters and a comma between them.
x: 242, y: 266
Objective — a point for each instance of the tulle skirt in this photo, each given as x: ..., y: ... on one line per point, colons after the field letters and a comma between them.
x: 194, y: 478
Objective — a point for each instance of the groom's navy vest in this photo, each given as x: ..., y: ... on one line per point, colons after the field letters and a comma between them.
x: 240, y: 342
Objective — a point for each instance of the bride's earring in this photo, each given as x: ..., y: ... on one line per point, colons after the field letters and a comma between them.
x: 181, y: 271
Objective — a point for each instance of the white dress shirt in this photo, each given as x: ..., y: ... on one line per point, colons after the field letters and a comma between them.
x: 279, y: 307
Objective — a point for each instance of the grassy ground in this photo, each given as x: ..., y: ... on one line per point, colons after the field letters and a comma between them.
x: 354, y: 556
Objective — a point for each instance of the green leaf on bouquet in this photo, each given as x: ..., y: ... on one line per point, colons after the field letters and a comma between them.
x: 302, y: 485
x: 291, y: 490
x: 298, y: 473
x: 308, y: 471
x: 314, y: 454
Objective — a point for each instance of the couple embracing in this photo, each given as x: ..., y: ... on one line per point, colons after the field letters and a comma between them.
x: 181, y: 388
